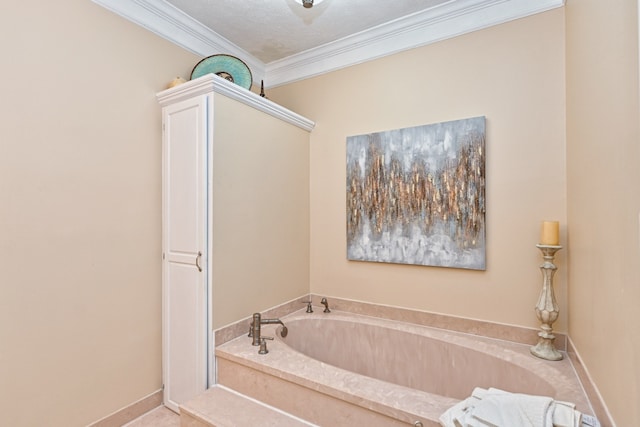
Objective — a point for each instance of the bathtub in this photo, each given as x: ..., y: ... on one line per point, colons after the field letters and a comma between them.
x: 339, y: 368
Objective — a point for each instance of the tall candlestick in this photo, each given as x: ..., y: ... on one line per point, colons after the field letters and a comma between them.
x: 547, y: 308
x: 550, y: 233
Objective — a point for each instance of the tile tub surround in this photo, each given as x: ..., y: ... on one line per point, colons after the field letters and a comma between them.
x: 241, y: 327
x: 451, y: 323
x: 422, y: 394
x: 307, y: 402
x: 481, y: 328
x: 220, y: 406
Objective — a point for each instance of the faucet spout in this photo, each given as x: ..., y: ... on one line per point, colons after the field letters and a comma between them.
x: 283, y: 332
x: 326, y: 305
x: 255, y: 326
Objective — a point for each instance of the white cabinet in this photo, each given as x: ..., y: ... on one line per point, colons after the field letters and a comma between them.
x: 184, y: 270
x: 195, y: 117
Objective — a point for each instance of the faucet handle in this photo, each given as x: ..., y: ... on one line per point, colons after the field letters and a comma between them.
x: 263, y: 345
x: 309, y: 306
x: 326, y: 305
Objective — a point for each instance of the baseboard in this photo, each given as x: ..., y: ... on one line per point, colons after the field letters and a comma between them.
x: 130, y: 412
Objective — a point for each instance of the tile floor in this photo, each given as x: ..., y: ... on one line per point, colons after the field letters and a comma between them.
x: 158, y: 417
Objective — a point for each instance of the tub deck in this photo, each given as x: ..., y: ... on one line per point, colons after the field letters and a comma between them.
x: 324, y: 394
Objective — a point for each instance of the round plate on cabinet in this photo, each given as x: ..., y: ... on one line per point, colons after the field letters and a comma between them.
x: 226, y: 66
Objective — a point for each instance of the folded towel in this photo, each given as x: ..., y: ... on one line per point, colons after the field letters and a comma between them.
x: 565, y: 415
x: 460, y: 415
x: 498, y: 408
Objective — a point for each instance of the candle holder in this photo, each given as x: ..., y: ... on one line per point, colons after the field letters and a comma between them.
x: 547, y: 308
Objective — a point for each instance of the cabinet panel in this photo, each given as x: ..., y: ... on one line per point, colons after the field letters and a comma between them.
x: 185, y: 356
x: 185, y: 162
x: 184, y: 237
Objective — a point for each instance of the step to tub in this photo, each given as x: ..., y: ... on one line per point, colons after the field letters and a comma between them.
x: 222, y: 407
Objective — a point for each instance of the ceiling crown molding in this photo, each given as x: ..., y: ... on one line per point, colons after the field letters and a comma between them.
x: 441, y: 22
x: 169, y: 22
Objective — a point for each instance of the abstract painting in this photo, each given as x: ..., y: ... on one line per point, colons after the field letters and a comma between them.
x: 417, y: 195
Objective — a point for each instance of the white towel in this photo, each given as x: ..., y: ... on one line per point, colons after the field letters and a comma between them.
x: 460, y: 415
x: 498, y: 408
x: 565, y: 415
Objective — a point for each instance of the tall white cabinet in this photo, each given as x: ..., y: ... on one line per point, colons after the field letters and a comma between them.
x: 196, y: 117
x: 184, y: 248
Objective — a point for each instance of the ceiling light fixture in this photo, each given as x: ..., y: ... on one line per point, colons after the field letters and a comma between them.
x: 309, y: 3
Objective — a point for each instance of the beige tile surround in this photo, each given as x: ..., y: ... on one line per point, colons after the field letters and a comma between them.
x: 475, y: 327
x: 328, y: 370
x: 307, y: 404
x: 481, y: 328
x: 220, y: 406
x: 511, y: 333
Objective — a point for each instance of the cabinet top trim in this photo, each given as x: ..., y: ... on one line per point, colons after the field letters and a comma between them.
x: 212, y: 83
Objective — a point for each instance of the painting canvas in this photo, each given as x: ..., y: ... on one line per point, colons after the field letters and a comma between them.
x: 417, y: 195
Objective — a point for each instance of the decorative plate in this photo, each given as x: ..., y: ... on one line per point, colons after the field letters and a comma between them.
x: 226, y: 66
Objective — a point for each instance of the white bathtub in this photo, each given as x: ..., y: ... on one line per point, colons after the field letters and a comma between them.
x: 340, y: 369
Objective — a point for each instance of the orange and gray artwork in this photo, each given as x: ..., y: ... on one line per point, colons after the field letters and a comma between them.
x: 417, y: 195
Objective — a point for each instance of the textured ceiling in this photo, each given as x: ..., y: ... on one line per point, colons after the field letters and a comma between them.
x: 274, y: 29
x: 282, y: 42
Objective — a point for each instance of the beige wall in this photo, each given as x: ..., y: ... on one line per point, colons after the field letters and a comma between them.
x: 514, y: 75
x: 603, y: 174
x: 260, y: 212
x: 80, y: 192
x: 80, y: 159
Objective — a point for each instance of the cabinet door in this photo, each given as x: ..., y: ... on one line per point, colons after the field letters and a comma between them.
x: 184, y: 332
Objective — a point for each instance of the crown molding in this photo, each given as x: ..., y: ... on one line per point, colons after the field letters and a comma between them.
x: 438, y: 23
x: 212, y: 83
x: 445, y: 21
x: 169, y: 22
